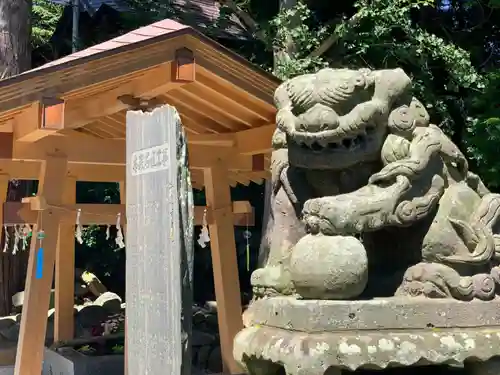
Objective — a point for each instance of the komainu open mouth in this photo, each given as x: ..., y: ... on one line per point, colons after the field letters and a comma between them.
x: 318, y: 151
x: 319, y: 143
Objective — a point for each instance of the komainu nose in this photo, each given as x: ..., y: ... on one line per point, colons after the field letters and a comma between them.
x: 318, y: 118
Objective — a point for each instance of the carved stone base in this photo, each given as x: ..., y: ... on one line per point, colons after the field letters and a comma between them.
x: 490, y: 367
x: 315, y: 353
x: 312, y: 337
x: 394, y: 313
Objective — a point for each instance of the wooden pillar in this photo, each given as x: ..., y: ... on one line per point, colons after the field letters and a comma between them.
x: 30, y: 346
x: 4, y: 186
x: 65, y: 272
x: 123, y: 200
x: 224, y: 261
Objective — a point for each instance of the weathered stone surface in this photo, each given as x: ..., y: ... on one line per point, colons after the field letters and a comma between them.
x: 11, y: 333
x: 91, y: 316
x: 202, y: 338
x: 490, y: 367
x: 18, y: 299
x: 159, y: 266
x: 7, y: 353
x: 91, y: 281
x: 356, y: 155
x: 109, y: 301
x: 214, y: 362
x: 7, y: 322
x: 67, y: 361
x: 370, y: 200
x: 368, y: 349
x: 379, y: 314
x: 333, y: 267
x: 6, y: 369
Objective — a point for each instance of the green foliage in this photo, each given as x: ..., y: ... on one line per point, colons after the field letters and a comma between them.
x: 45, y: 16
x: 295, y: 26
x: 484, y: 131
x: 383, y: 34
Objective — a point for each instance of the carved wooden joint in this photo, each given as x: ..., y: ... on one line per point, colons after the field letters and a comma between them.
x: 140, y: 104
x: 52, y: 113
x: 184, y: 67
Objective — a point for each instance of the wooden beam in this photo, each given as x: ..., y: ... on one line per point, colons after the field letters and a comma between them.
x: 4, y: 186
x: 235, y: 108
x: 65, y: 272
x: 254, y: 94
x: 222, y: 113
x: 7, y: 126
x: 243, y: 213
x: 255, y: 141
x: 225, y: 264
x: 93, y: 72
x: 30, y: 347
x: 52, y: 116
x: 18, y: 213
x: 28, y: 124
x: 39, y: 120
x: 184, y: 66
x: 154, y: 82
x: 30, y: 170
x: 247, y: 142
x: 77, y: 149
x: 112, y: 152
x: 217, y: 140
x: 6, y: 145
x: 97, y: 173
x: 42, y: 119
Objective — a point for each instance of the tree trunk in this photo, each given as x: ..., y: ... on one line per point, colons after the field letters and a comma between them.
x: 281, y: 56
x: 15, y: 57
x: 264, y: 246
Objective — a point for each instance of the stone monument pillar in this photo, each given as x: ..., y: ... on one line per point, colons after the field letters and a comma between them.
x: 384, y: 248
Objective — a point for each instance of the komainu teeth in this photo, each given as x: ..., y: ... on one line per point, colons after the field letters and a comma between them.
x: 347, y: 142
x: 333, y: 146
x: 316, y: 146
x: 323, y: 142
x: 309, y: 142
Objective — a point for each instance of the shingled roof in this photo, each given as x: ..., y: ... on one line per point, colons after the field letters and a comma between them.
x: 199, y: 14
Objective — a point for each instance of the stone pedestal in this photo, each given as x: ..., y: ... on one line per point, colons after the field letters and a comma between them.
x: 324, y: 337
x: 490, y: 367
x: 67, y: 361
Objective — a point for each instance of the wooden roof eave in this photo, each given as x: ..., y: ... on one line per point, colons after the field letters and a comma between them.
x: 58, y: 80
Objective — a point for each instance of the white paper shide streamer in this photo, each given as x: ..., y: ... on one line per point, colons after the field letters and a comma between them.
x: 204, y: 237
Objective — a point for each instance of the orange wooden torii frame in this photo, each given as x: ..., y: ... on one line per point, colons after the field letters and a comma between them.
x: 65, y: 122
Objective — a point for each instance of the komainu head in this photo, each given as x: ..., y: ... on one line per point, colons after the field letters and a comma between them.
x: 336, y: 118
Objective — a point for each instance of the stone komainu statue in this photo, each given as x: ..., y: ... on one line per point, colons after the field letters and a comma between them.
x: 370, y: 199
x: 382, y: 246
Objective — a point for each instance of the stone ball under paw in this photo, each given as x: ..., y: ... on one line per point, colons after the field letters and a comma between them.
x: 329, y: 267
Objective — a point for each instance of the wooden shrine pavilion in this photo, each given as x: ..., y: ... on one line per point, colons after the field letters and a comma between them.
x: 65, y: 122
